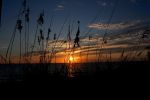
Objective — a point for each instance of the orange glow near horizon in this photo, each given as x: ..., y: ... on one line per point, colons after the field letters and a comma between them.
x: 91, y: 57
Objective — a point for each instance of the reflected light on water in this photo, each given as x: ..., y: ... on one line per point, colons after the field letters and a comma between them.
x: 70, y: 67
x: 70, y: 70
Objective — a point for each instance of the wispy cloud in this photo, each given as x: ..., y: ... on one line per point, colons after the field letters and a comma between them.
x: 60, y: 7
x: 104, y: 3
x: 113, y: 26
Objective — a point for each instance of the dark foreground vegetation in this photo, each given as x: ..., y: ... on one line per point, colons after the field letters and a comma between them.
x: 60, y: 75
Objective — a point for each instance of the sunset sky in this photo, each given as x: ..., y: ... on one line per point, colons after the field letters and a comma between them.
x: 129, y: 20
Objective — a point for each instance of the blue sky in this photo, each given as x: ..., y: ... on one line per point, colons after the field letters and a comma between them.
x: 83, y: 10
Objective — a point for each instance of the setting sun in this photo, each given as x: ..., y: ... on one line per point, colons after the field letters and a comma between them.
x: 71, y: 59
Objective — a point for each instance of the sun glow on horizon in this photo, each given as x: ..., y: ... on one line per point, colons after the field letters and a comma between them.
x: 71, y: 59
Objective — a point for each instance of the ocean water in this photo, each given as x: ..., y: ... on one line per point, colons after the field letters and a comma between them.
x: 21, y: 72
